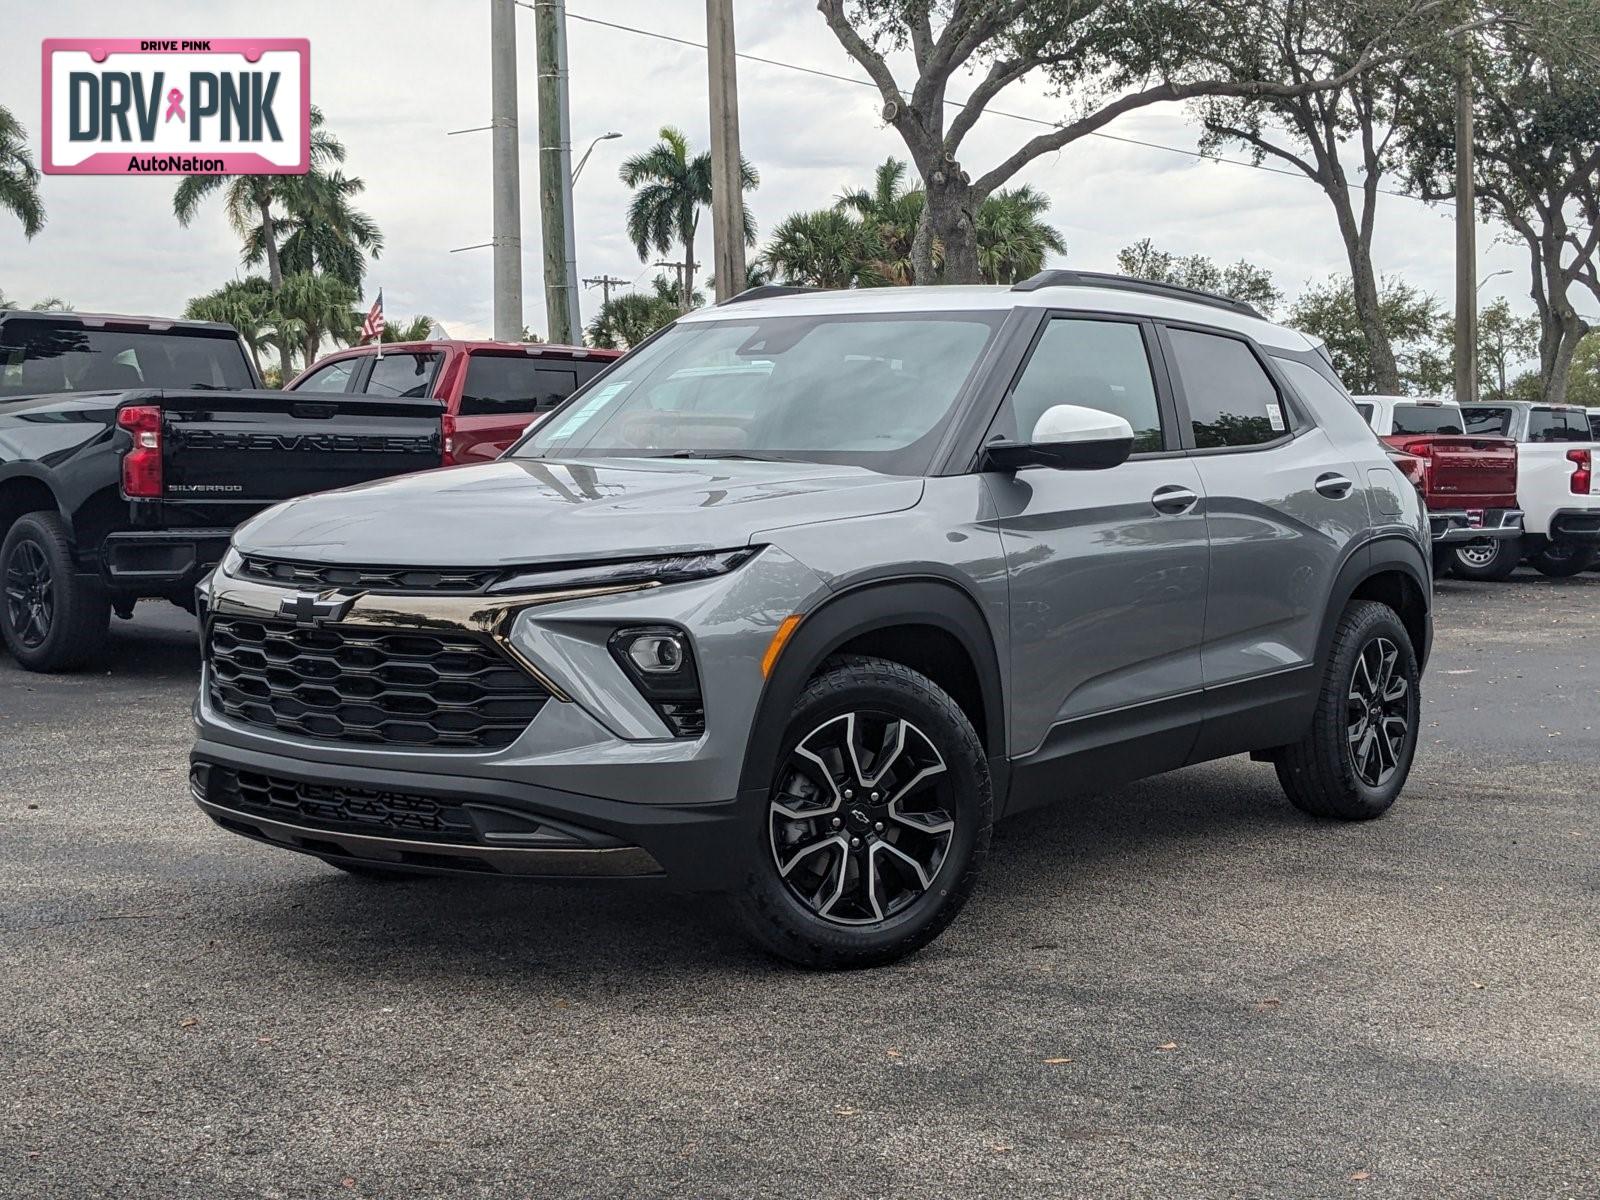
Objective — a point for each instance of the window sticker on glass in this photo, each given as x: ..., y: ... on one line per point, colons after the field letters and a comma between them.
x: 1275, y: 416
x: 588, y: 409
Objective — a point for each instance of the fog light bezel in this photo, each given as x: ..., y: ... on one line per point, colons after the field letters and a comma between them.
x: 674, y: 693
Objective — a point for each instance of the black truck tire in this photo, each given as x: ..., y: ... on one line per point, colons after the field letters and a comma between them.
x: 52, y: 618
x: 1562, y: 560
x: 1490, y: 563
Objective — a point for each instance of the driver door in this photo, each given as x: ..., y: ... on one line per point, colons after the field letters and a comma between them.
x: 1108, y: 568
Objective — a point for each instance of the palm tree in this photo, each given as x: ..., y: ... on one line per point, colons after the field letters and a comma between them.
x: 249, y: 199
x: 1012, y: 239
x: 247, y: 304
x: 626, y: 320
x: 321, y: 230
x: 316, y: 307
x: 893, y: 211
x: 667, y: 289
x: 19, y: 178
x: 828, y: 248
x: 670, y: 189
x: 418, y: 329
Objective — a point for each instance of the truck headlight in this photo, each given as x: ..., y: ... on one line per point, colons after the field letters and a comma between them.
x: 660, y: 661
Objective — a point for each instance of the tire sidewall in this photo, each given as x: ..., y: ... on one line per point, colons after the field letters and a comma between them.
x: 801, y: 935
x: 79, y: 611
x: 1508, y: 554
x: 1562, y: 560
x: 32, y: 529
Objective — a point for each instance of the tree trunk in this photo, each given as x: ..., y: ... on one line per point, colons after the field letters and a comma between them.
x: 1364, y: 291
x: 1556, y: 367
x: 686, y: 280
x: 947, y: 225
x: 269, y: 239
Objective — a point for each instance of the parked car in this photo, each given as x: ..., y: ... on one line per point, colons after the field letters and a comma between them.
x: 1556, y: 487
x: 491, y: 391
x: 932, y: 557
x: 1468, y: 483
x: 129, y: 449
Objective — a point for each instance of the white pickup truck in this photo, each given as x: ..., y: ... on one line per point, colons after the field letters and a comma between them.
x: 1557, y: 487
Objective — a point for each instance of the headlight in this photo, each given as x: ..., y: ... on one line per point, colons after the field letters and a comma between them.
x: 660, y: 661
x: 677, y: 568
x: 231, y: 562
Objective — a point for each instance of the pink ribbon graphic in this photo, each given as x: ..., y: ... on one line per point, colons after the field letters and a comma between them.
x: 175, y: 105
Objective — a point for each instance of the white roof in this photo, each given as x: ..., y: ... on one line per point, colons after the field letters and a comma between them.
x: 999, y: 298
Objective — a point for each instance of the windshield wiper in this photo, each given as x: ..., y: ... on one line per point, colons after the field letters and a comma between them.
x: 716, y: 454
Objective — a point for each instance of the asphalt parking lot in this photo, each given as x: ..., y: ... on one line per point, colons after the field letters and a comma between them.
x: 1182, y: 988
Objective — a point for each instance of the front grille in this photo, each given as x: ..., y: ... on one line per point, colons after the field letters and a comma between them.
x: 342, y: 809
x: 363, y: 684
x: 318, y: 576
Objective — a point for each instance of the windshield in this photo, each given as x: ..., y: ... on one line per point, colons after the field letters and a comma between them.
x: 40, y: 357
x: 874, y: 391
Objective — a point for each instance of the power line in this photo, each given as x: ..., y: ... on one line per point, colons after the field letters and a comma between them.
x: 821, y: 74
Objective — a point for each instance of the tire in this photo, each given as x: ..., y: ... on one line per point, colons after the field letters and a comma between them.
x: 1324, y: 774
x: 371, y: 874
x: 1562, y: 560
x: 1492, y: 564
x: 51, y: 618
x: 834, y: 882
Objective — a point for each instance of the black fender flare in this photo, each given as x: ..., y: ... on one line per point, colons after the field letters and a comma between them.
x: 1384, y: 554
x: 34, y: 473
x: 863, y: 608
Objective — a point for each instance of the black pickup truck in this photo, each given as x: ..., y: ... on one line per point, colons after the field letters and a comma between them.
x: 130, y: 447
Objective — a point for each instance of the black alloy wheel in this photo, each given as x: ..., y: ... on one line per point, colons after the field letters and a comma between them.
x: 30, y: 595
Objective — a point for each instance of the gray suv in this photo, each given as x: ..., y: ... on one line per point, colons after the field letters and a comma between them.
x: 800, y: 596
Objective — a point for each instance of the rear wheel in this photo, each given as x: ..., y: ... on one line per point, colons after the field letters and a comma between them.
x: 52, y: 618
x: 1561, y: 560
x: 1494, y: 560
x: 1357, y: 755
x: 877, y: 820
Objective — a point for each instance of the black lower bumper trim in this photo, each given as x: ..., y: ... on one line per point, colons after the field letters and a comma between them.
x: 693, y: 845
x: 1577, y: 526
x: 161, y: 560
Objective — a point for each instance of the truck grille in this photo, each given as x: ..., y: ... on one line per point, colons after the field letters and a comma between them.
x: 363, y: 684
x: 350, y: 810
x: 317, y: 577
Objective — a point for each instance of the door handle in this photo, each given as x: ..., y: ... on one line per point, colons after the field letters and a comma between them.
x: 1333, y: 485
x: 1174, y: 500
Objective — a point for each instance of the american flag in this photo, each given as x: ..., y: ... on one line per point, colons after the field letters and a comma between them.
x: 372, y: 327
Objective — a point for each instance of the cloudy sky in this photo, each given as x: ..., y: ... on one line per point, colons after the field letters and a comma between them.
x: 394, y: 77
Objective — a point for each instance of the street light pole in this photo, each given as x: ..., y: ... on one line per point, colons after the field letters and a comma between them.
x: 507, y: 200
x: 727, y: 180
x: 578, y: 170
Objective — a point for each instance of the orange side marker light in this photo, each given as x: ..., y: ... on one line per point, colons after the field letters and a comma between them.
x: 779, y: 640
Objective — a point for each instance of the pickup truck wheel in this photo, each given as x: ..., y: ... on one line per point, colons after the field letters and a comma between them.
x: 1355, y: 759
x: 1491, y: 561
x: 52, y: 619
x: 1561, y: 560
x: 877, y: 822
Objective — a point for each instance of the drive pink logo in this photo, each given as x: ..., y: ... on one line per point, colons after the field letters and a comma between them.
x: 212, y: 106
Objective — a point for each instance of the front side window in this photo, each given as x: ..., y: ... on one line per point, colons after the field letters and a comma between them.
x: 335, y: 377
x: 403, y: 375
x: 515, y: 383
x: 1232, y: 399
x: 1427, y: 418
x: 875, y: 390
x: 1093, y: 364
x: 1558, y: 425
x: 1488, y: 422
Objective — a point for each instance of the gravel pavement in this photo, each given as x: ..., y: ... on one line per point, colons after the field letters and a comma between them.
x: 1182, y: 988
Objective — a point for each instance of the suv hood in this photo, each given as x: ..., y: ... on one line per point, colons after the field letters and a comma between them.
x: 517, y: 511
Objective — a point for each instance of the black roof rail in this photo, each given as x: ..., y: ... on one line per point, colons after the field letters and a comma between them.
x: 768, y: 290
x: 1126, y: 283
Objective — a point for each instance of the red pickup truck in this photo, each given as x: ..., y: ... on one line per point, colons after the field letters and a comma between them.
x: 491, y: 391
x: 1468, y: 481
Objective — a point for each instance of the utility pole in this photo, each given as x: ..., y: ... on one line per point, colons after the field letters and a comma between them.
x: 507, y: 172
x: 679, y: 270
x: 727, y: 181
x: 1466, y: 236
x: 555, y: 174
x: 605, y: 283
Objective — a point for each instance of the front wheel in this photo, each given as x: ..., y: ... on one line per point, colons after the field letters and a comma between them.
x: 876, y: 824
x: 1562, y: 560
x: 51, y: 617
x: 1490, y: 561
x: 1355, y: 759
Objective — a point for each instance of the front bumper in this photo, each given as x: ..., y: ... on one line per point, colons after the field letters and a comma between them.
x: 1456, y: 527
x: 369, y: 817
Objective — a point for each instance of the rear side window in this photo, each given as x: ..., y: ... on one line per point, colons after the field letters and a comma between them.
x: 1094, y: 364
x: 1488, y: 422
x: 1232, y: 400
x: 1558, y: 425
x: 507, y: 383
x: 335, y: 377
x: 405, y: 376
x: 1427, y: 418
x: 1366, y: 410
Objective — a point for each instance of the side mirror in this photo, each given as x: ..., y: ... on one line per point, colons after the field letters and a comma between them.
x: 1068, y: 437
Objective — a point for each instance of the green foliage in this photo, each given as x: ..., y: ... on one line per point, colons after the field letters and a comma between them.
x: 308, y: 308
x: 828, y: 248
x: 1504, y: 340
x: 1012, y: 236
x: 19, y: 177
x: 1239, y: 281
x: 1583, y: 384
x: 626, y: 320
x: 418, y: 329
x: 48, y: 304
x: 1412, y: 319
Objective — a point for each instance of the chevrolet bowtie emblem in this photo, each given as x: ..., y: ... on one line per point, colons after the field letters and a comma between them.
x: 305, y: 608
